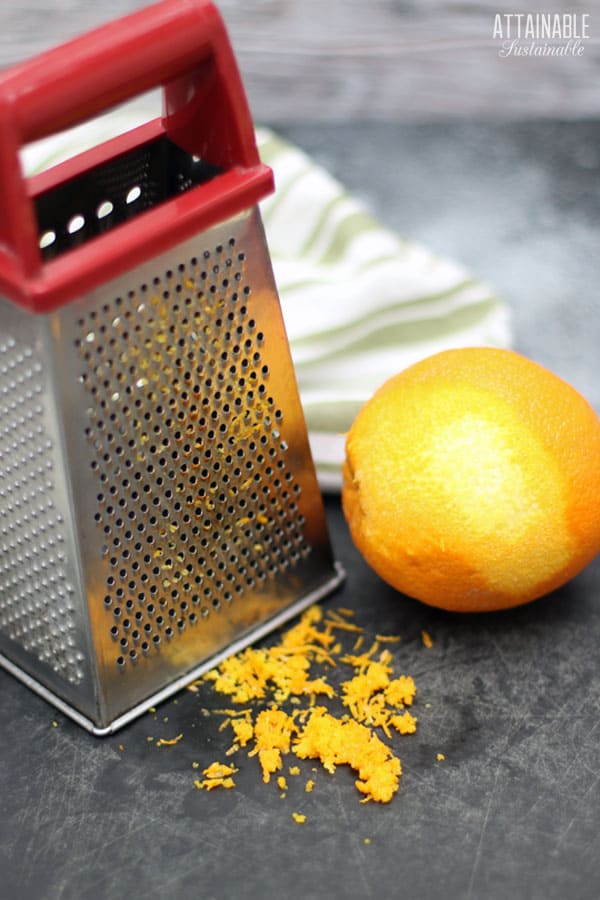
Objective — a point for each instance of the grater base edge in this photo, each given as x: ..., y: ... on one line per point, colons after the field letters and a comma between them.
x: 257, y: 633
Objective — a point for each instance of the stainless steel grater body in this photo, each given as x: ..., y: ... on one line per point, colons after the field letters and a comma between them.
x: 159, y: 507
x: 158, y: 502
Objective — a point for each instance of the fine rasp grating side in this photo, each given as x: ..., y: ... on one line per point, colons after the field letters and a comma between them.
x: 159, y: 503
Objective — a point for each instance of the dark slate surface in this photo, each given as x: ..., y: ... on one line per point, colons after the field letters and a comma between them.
x: 511, y: 699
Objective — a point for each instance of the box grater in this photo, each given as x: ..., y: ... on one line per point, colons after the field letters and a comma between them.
x: 159, y: 508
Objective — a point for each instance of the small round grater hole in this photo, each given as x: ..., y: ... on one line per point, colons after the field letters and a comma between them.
x: 75, y: 224
x: 133, y: 194
x: 47, y: 239
x: 104, y: 210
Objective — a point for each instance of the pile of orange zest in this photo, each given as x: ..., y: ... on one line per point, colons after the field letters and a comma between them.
x: 227, y: 676
x: 372, y: 696
x: 306, y: 632
x: 216, y: 775
x: 243, y: 730
x: 401, y: 691
x: 319, y: 686
x: 164, y: 742
x: 273, y: 732
x: 358, y: 692
x: 282, y: 669
x: 344, y: 741
x: 405, y: 723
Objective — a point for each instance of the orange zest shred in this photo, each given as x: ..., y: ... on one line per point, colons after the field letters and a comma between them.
x: 373, y: 697
x: 427, y: 640
x: 219, y: 770
x: 165, y: 742
x: 299, y: 818
x: 216, y: 775
x: 345, y: 626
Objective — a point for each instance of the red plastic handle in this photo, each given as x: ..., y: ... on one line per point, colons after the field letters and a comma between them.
x: 119, y: 61
x: 179, y: 45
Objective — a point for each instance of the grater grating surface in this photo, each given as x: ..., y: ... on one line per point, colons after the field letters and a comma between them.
x: 36, y: 596
x: 195, y: 503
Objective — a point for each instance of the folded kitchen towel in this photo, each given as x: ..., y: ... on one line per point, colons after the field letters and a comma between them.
x: 359, y: 302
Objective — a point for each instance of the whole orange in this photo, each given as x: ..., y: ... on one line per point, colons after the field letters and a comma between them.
x: 472, y: 480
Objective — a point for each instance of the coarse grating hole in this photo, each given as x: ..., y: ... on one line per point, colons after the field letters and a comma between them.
x: 181, y: 425
x: 37, y: 600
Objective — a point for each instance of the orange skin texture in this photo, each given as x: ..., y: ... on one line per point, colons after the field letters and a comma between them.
x: 472, y: 481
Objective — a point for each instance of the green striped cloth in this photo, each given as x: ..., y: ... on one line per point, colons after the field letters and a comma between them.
x: 359, y: 302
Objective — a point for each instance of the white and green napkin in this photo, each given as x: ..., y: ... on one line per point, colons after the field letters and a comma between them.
x: 359, y: 302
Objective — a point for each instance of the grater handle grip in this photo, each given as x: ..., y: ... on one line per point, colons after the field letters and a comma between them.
x: 180, y: 45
